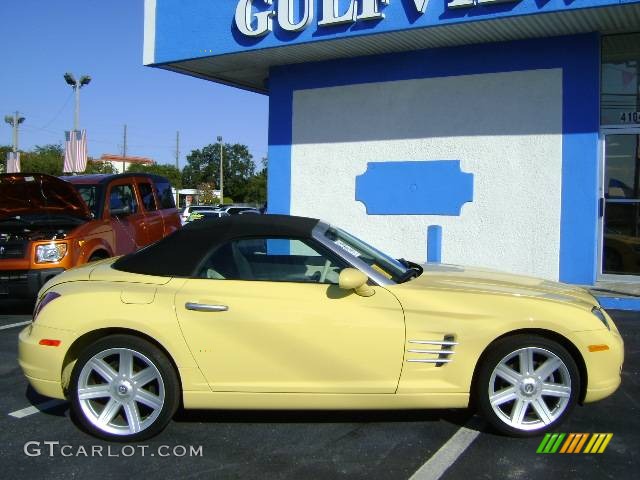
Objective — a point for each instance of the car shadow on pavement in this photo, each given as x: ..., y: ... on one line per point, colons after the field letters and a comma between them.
x: 458, y: 417
x: 58, y: 408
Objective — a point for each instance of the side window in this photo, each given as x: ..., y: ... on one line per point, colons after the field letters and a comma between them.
x: 122, y: 200
x: 148, y: 200
x: 272, y: 259
x: 165, y: 195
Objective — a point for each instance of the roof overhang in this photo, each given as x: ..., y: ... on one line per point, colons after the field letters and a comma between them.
x: 245, y: 62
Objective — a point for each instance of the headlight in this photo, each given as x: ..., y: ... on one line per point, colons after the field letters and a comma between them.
x: 51, y: 253
x: 598, y: 313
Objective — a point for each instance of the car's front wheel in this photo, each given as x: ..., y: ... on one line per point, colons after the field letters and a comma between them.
x: 123, y: 388
x: 526, y: 385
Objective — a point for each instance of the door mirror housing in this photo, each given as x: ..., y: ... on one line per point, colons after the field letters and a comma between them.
x: 353, y: 279
x: 120, y: 212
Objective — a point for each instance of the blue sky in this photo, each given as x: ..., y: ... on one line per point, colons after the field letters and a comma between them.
x: 44, y: 39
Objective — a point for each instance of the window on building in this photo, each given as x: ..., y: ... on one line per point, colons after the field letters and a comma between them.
x: 620, y: 94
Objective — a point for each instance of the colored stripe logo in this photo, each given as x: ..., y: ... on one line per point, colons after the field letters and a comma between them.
x: 574, y: 443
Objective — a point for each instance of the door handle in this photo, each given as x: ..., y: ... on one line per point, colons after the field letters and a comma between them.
x: 203, y: 307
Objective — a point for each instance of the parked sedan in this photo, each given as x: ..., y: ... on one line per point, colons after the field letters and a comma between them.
x: 202, y: 214
x: 279, y: 312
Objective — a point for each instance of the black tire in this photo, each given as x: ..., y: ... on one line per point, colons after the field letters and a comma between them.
x: 527, y: 389
x: 152, y: 398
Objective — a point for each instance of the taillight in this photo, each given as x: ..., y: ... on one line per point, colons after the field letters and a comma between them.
x: 48, y: 297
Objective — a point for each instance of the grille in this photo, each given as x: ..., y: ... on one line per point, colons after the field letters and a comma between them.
x: 12, y: 249
x: 11, y: 280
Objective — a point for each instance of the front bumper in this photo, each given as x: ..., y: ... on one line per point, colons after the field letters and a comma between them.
x: 25, y: 284
x: 604, y: 368
x: 43, y: 365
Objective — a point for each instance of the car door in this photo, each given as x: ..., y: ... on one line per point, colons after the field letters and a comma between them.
x: 126, y: 217
x: 153, y: 222
x: 263, y: 318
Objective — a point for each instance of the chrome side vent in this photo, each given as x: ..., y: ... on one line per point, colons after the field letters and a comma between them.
x: 438, y: 352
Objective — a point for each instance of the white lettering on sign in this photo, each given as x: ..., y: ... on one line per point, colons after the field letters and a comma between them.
x: 254, y: 18
x: 257, y: 22
x: 471, y: 3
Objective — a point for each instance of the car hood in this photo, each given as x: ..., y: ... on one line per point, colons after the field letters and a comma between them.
x: 481, y: 281
x: 37, y: 193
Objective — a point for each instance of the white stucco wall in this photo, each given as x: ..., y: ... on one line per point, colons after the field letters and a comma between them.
x: 505, y: 128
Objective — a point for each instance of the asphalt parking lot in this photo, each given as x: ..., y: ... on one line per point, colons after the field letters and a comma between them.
x: 239, y: 444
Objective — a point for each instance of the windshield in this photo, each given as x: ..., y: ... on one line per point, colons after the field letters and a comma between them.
x: 89, y: 194
x: 381, y: 262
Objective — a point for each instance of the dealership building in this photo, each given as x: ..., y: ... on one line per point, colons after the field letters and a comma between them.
x: 496, y: 133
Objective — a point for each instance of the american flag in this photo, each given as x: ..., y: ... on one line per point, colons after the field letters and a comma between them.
x: 75, y: 151
x: 13, y: 162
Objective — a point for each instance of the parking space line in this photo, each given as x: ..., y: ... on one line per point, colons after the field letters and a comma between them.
x: 447, y: 455
x: 25, y: 412
x: 13, y: 325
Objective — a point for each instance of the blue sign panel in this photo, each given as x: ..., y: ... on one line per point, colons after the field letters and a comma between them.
x: 414, y: 188
x: 180, y: 30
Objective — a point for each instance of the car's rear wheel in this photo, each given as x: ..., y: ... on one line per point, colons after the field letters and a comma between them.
x: 526, y: 385
x: 124, y: 388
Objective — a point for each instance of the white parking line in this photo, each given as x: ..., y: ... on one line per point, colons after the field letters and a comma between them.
x: 25, y: 412
x: 447, y: 455
x: 13, y: 325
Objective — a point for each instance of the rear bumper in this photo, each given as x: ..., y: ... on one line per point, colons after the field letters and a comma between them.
x: 25, y: 284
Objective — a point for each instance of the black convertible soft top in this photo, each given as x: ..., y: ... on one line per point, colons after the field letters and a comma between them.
x: 179, y: 254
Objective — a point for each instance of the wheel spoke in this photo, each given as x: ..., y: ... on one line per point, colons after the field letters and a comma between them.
x: 133, y: 416
x: 94, y: 391
x: 508, y: 374
x: 526, y: 362
x: 103, y: 369
x: 548, y: 367
x: 556, y: 390
x: 145, y: 376
x: 110, y: 411
x: 126, y: 364
x: 148, y: 399
x: 503, y: 396
x: 542, y: 410
x: 519, y: 411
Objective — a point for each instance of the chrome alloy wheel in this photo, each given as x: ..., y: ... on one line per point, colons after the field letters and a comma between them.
x: 120, y: 391
x: 530, y: 388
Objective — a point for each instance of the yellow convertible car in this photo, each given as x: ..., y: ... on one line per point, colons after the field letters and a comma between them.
x: 279, y: 312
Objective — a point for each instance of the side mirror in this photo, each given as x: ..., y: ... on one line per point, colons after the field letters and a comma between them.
x: 352, y: 279
x: 120, y: 212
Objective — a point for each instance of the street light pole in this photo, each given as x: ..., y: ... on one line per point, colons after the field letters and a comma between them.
x: 15, y: 122
x: 221, y: 173
x: 77, y: 85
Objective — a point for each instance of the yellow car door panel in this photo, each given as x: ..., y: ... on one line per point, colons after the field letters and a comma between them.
x: 264, y: 336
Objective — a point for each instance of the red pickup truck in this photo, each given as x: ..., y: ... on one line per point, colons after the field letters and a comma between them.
x: 50, y: 224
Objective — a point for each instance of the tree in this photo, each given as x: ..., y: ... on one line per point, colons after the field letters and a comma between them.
x: 4, y: 149
x: 203, y: 166
x: 43, y: 159
x: 257, y: 186
x: 169, y: 171
x: 97, y: 166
